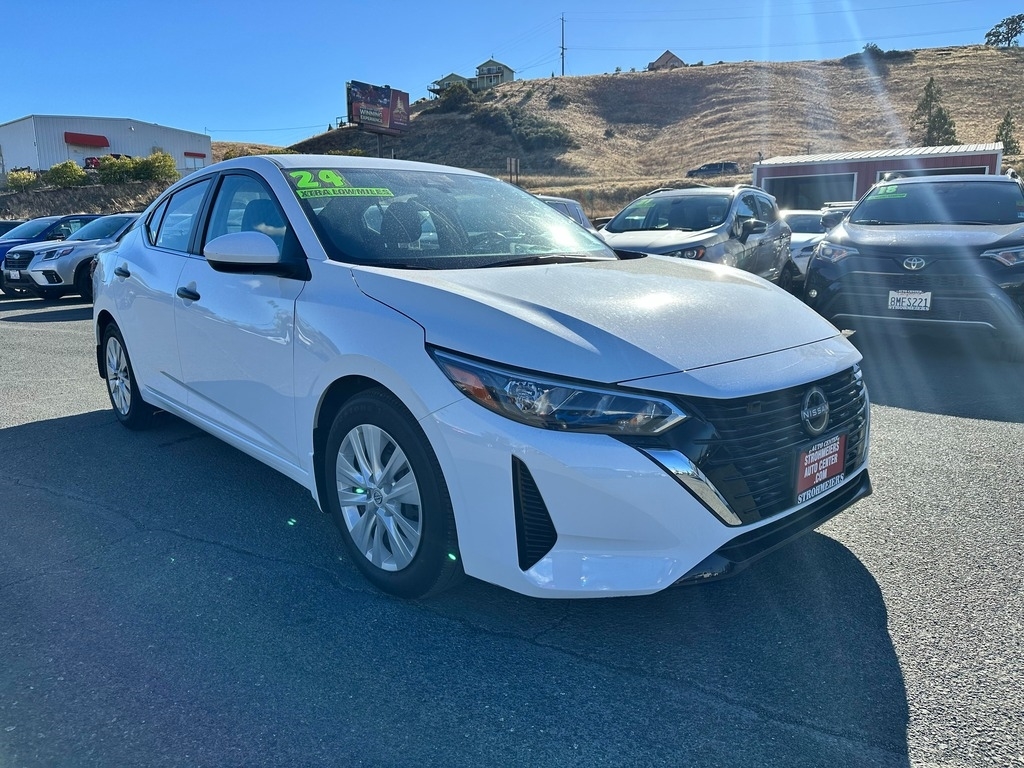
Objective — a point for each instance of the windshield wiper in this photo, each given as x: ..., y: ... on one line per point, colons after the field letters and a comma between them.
x: 547, y: 258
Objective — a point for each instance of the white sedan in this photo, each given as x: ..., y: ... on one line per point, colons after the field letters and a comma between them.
x: 470, y: 383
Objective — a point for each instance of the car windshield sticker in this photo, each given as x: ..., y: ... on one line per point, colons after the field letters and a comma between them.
x: 887, y: 193
x: 329, y: 183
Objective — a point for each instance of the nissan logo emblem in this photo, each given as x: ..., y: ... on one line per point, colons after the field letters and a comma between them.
x: 914, y: 263
x: 814, y: 411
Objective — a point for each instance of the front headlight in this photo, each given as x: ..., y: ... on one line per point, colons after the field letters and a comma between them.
x: 694, y: 252
x: 1011, y: 257
x: 57, y: 253
x: 549, y: 403
x: 834, y: 251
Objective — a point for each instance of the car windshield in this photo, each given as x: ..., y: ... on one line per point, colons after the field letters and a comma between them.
x: 687, y: 213
x: 805, y: 223
x: 101, y: 229
x: 29, y: 229
x: 423, y: 219
x: 942, y: 202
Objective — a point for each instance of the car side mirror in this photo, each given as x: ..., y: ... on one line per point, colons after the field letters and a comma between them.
x: 752, y: 227
x: 252, y: 253
x: 831, y: 219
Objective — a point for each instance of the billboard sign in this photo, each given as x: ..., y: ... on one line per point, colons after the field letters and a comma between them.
x: 377, y: 108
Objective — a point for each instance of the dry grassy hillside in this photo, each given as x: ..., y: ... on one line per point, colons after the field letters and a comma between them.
x: 620, y: 135
x: 636, y: 130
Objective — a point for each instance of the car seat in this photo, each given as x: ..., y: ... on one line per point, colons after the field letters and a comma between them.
x: 401, y: 225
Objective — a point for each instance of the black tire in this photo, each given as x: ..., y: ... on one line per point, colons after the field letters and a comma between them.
x: 122, y: 388
x: 787, y: 278
x: 83, y: 280
x: 403, y: 542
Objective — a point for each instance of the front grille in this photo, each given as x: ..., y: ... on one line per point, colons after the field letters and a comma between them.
x: 750, y: 452
x: 17, y: 260
x: 916, y: 281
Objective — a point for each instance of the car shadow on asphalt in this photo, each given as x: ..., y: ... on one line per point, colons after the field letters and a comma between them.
x: 947, y: 377
x: 789, y: 662
x: 38, y: 311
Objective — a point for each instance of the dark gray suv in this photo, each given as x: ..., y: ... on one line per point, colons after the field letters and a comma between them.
x: 739, y: 226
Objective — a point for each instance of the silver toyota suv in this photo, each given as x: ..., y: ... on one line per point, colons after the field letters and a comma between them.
x: 55, y: 268
x: 739, y: 226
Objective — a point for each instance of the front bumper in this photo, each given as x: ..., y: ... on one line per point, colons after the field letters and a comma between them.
x: 554, y: 514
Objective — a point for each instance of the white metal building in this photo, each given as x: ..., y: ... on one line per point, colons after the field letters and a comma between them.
x: 39, y: 142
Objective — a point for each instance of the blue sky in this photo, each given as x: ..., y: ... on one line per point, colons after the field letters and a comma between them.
x: 275, y: 73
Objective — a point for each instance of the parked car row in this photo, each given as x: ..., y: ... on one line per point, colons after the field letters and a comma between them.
x: 51, y: 256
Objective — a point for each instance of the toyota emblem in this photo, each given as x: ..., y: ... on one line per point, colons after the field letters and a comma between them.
x: 914, y: 263
x: 814, y: 411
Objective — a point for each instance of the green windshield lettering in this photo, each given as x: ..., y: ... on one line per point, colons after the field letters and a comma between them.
x: 344, y: 192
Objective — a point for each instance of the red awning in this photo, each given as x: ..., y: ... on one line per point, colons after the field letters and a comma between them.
x: 195, y: 154
x: 86, y: 139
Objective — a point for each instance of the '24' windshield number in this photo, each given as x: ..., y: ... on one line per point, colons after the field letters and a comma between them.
x: 305, y: 179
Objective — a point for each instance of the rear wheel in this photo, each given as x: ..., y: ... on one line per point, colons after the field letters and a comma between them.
x: 122, y: 388
x: 388, y: 496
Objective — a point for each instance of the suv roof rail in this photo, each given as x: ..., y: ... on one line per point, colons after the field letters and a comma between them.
x: 839, y: 204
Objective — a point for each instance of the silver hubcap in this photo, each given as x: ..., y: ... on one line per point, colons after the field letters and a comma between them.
x: 119, y: 380
x: 380, y: 499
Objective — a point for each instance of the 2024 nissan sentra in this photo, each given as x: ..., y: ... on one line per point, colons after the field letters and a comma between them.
x: 470, y: 383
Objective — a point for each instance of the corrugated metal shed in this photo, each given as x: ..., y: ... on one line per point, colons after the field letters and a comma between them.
x: 41, y: 141
x: 807, y: 181
x: 878, y: 154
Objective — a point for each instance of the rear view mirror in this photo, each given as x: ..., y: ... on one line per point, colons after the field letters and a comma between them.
x: 830, y: 219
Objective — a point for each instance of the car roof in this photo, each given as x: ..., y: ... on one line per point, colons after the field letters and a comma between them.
x: 286, y: 161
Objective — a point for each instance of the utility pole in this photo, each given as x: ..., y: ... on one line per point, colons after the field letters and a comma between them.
x: 563, y: 45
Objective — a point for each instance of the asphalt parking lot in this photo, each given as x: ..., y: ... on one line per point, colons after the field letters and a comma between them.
x: 166, y: 600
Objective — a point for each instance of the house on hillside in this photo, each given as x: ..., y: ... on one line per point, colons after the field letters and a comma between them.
x: 808, y: 181
x: 667, y: 60
x: 488, y: 75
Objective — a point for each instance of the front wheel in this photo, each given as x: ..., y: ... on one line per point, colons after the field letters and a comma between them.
x: 122, y: 388
x: 83, y: 280
x: 388, y: 496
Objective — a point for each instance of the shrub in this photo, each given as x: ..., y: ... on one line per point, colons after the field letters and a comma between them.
x: 116, y: 170
x: 159, y: 166
x: 558, y: 101
x: 19, y: 181
x: 66, y: 174
x: 457, y: 98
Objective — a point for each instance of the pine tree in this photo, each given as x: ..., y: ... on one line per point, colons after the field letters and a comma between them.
x: 1004, y: 133
x: 930, y: 121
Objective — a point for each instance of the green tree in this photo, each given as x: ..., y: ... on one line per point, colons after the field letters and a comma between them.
x: 159, y: 166
x: 930, y: 122
x: 19, y: 181
x: 1004, y: 133
x: 1005, y: 33
x: 116, y: 170
x: 66, y: 174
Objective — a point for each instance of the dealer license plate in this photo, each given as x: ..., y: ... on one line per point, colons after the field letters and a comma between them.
x: 915, y: 301
x: 13, y: 274
x: 820, y: 467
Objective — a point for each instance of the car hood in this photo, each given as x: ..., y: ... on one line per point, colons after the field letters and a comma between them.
x: 7, y: 245
x: 603, y: 321
x: 655, y: 240
x: 939, y: 237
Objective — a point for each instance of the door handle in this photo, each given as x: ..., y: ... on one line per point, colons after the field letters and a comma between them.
x: 122, y: 271
x: 188, y: 294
